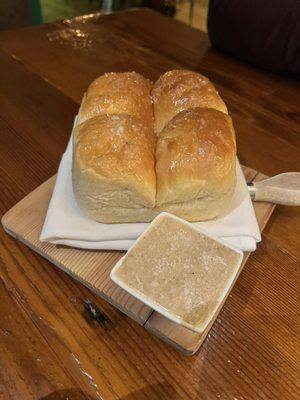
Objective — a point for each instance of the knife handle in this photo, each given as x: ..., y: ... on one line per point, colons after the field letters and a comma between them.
x: 280, y: 189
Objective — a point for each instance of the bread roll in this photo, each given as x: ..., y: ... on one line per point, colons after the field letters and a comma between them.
x: 113, y: 168
x: 180, y: 90
x: 125, y: 93
x: 195, y: 164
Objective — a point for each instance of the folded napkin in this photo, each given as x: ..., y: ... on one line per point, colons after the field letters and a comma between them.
x: 66, y: 224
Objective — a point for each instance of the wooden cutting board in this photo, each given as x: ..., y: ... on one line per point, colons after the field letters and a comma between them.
x: 92, y: 268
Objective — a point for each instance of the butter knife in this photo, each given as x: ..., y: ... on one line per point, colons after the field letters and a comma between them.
x: 280, y: 189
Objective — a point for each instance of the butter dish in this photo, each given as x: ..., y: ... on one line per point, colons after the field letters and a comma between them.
x: 180, y: 271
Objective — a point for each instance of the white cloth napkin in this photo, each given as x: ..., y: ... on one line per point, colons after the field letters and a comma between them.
x: 66, y: 224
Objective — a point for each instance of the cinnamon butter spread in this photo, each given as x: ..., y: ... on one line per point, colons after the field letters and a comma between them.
x: 179, y: 271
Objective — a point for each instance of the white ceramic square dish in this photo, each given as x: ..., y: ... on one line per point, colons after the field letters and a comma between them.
x: 178, y: 270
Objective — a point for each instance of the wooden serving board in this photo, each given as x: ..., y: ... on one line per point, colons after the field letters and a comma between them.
x: 92, y: 268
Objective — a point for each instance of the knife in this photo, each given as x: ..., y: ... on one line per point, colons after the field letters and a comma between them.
x: 280, y: 189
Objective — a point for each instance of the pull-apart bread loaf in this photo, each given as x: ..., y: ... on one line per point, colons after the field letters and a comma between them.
x: 123, y: 172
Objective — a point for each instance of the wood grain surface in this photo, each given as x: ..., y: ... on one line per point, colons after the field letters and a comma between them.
x: 49, y: 349
x: 24, y: 222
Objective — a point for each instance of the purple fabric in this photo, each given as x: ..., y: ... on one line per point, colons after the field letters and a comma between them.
x: 265, y: 33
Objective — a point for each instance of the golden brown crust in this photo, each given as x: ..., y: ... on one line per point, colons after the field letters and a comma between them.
x: 180, y: 90
x: 113, y: 164
x: 195, y: 157
x: 114, y: 149
x: 125, y: 93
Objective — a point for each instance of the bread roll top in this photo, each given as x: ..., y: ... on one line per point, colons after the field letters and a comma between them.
x: 180, y: 90
x: 113, y: 163
x: 195, y: 156
x: 125, y: 93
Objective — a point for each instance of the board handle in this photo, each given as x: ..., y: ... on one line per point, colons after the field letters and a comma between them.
x: 280, y: 189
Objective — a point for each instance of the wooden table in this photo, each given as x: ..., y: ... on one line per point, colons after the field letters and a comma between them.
x: 48, y: 349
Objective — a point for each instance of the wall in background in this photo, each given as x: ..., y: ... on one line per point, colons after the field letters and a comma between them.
x: 18, y: 13
x: 14, y: 13
x: 53, y: 10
